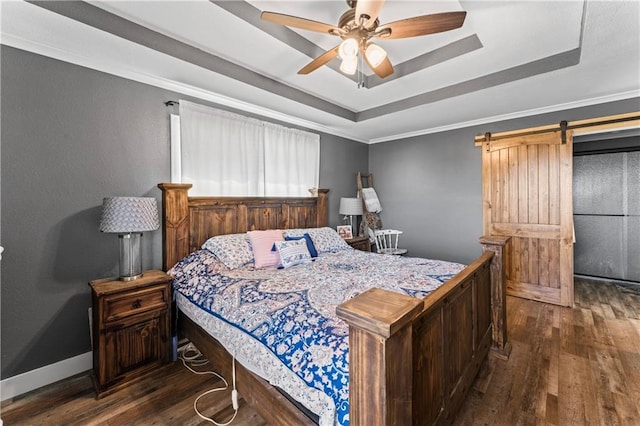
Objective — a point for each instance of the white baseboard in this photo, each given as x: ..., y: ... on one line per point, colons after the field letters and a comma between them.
x: 34, y: 379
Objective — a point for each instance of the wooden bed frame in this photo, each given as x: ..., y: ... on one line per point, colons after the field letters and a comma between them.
x: 411, y: 361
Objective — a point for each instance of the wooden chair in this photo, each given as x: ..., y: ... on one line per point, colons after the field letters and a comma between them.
x: 386, y: 240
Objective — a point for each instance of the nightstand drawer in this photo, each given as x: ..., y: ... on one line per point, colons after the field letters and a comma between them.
x: 119, y: 306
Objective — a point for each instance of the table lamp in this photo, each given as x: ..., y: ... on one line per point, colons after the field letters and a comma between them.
x: 129, y: 217
x: 351, y: 207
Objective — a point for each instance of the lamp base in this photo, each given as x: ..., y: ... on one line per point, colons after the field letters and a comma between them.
x: 135, y: 277
x: 355, y: 228
x: 130, y: 256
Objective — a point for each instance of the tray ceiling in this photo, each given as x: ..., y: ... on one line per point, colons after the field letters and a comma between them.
x: 509, y: 59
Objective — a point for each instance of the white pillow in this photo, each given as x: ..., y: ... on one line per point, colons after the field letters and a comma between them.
x: 293, y: 252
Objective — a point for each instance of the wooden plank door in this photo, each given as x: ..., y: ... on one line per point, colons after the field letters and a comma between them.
x: 527, y: 195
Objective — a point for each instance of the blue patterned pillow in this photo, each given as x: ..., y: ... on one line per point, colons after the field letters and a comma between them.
x: 234, y: 250
x: 312, y: 249
x: 293, y: 252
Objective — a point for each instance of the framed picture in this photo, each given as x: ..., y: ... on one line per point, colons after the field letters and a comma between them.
x: 345, y: 231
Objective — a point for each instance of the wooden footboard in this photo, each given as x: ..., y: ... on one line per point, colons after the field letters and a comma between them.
x: 412, y: 361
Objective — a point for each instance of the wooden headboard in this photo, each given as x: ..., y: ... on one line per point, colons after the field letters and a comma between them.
x: 187, y: 222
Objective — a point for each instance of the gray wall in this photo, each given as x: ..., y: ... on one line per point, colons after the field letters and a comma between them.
x: 340, y: 160
x: 71, y: 136
x: 430, y: 186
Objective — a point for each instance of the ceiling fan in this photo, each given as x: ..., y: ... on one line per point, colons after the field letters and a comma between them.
x: 358, y: 25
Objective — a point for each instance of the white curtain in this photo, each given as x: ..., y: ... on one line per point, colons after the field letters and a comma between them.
x: 292, y: 159
x: 221, y: 151
x: 228, y: 154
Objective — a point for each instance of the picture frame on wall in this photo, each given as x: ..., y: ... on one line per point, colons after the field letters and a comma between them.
x: 344, y: 231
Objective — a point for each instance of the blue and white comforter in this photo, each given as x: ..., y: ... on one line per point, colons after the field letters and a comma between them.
x: 281, y: 324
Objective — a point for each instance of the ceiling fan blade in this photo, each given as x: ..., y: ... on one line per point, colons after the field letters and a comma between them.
x: 423, y: 25
x: 371, y: 8
x: 296, y: 22
x: 385, y: 69
x: 320, y: 61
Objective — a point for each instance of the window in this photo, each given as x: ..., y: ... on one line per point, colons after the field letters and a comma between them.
x: 227, y: 154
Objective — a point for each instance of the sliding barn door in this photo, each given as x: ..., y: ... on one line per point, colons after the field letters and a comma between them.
x: 527, y: 195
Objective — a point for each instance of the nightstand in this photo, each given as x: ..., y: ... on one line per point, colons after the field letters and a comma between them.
x: 359, y: 243
x: 131, y: 326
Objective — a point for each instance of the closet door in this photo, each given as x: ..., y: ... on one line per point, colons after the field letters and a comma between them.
x: 527, y: 195
x: 607, y: 215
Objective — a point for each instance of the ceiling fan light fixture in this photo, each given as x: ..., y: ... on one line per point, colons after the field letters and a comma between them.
x: 375, y: 54
x: 360, y: 24
x: 349, y: 65
x: 348, y: 48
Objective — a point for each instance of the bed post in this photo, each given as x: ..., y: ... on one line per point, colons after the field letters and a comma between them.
x: 175, y: 222
x: 496, y: 244
x: 322, y: 216
x: 380, y: 356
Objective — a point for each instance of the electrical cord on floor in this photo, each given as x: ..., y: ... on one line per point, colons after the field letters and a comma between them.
x: 192, y: 357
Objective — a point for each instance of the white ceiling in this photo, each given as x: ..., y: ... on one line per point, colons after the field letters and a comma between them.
x: 509, y: 59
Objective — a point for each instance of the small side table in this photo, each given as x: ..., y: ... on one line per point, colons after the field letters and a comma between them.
x: 359, y: 243
x: 131, y: 326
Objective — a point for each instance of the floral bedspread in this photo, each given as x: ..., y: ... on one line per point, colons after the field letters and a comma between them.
x: 288, y: 315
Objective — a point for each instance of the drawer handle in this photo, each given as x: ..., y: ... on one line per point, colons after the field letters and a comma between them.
x: 137, y: 304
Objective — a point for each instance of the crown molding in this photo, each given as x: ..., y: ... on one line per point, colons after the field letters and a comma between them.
x: 514, y: 115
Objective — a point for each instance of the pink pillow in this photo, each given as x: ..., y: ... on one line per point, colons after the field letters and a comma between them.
x: 261, y: 244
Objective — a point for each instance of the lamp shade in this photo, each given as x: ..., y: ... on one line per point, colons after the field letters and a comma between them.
x: 129, y: 214
x: 350, y: 206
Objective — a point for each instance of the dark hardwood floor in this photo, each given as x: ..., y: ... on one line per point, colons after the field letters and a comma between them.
x: 165, y: 397
x: 577, y: 366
